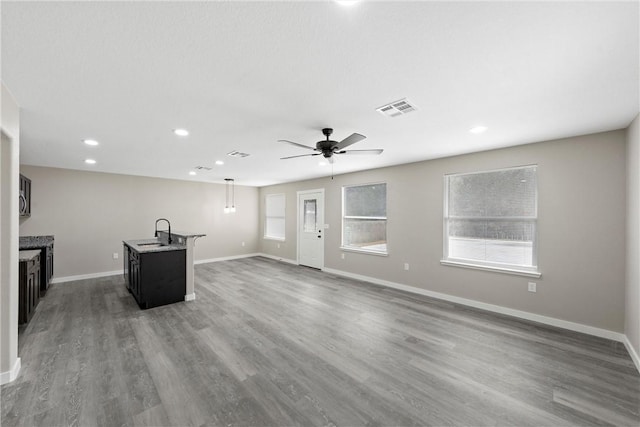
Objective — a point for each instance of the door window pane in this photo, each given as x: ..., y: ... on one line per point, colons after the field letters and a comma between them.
x: 310, y: 216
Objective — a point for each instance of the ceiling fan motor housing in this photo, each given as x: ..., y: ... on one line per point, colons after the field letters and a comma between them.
x: 326, y: 146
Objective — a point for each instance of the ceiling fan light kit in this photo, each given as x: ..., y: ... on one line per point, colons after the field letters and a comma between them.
x: 327, y: 148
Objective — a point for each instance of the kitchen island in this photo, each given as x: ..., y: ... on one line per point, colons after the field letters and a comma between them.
x: 159, y: 271
x: 155, y: 273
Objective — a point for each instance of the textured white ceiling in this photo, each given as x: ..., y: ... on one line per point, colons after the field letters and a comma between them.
x: 241, y: 75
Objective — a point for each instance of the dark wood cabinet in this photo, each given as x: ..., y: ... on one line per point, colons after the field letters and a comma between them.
x: 134, y: 276
x: 125, y: 261
x: 29, y: 285
x: 45, y: 245
x: 156, y: 278
x: 24, y: 197
x: 46, y: 267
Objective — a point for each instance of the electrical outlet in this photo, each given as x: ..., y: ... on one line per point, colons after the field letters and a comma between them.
x: 532, y: 287
x: 115, y: 255
x: 342, y: 256
x: 278, y: 245
x: 406, y: 266
x: 242, y: 243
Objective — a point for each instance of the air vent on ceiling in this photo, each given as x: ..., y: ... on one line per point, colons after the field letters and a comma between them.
x: 397, y: 108
x: 203, y: 168
x: 236, y: 153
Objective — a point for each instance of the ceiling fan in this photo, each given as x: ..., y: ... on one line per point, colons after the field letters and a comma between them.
x: 328, y: 147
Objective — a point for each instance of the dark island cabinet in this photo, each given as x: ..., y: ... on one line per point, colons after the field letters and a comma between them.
x: 156, y: 278
x: 134, y: 275
x: 24, y: 197
x: 29, y: 284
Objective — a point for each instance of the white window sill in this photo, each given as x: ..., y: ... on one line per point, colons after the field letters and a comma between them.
x: 277, y: 239
x: 363, y: 251
x: 514, y: 271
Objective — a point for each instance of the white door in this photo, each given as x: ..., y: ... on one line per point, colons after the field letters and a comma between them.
x: 311, y: 228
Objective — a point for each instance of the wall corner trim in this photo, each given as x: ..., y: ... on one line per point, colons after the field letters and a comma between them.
x: 551, y: 321
x: 632, y: 352
x: 10, y: 376
x: 190, y: 297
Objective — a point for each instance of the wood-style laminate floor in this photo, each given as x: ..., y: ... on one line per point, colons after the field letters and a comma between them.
x: 272, y: 344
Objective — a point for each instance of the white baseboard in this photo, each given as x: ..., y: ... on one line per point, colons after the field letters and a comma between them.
x: 86, y: 276
x: 277, y: 258
x: 565, y: 324
x: 9, y: 376
x: 190, y: 297
x: 632, y: 353
x: 225, y: 258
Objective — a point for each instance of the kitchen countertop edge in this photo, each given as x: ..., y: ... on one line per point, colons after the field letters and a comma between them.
x: 135, y: 245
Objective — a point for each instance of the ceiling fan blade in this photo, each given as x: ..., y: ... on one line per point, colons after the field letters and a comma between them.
x: 374, y: 151
x: 297, y: 145
x: 301, y: 155
x: 355, y: 137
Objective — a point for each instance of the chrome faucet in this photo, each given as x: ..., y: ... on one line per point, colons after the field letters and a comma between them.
x: 163, y: 219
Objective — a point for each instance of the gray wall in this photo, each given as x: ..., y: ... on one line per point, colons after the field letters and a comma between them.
x: 581, y: 229
x: 632, y: 309
x: 90, y: 213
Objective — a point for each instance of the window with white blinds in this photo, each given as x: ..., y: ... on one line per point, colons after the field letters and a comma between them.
x: 274, y: 226
x: 490, y: 219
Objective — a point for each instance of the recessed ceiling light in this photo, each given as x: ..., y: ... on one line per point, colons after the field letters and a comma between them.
x: 192, y: 173
x: 181, y: 132
x: 219, y: 162
x: 478, y: 129
x: 90, y: 161
x: 91, y: 142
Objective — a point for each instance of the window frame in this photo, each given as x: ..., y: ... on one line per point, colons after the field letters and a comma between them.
x: 267, y: 216
x: 343, y: 217
x: 520, y: 270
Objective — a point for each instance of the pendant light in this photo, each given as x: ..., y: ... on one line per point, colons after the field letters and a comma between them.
x: 230, y: 191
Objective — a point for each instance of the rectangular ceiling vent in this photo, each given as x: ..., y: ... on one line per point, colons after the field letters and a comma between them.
x: 203, y: 168
x: 397, y: 108
x: 236, y: 153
